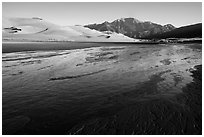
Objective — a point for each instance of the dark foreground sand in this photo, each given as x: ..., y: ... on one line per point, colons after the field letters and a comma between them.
x: 180, y: 115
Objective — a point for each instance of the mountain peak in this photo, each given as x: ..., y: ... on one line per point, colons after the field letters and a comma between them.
x: 133, y: 20
x: 128, y: 20
x: 121, y: 19
x: 138, y: 21
x: 169, y: 25
x: 106, y: 22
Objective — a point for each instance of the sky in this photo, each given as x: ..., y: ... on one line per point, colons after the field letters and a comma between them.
x: 67, y: 13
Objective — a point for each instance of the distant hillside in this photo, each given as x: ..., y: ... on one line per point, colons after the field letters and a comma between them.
x: 132, y: 27
x: 190, y: 31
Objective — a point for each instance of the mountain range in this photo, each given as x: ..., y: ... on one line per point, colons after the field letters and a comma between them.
x: 147, y: 30
x: 132, y: 27
x: 190, y: 31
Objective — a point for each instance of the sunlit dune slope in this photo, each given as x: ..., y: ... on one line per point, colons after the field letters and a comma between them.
x: 37, y: 29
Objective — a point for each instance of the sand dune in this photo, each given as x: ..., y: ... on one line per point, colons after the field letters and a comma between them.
x: 37, y: 29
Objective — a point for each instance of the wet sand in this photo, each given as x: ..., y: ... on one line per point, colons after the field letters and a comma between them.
x: 178, y: 115
x: 129, y: 89
x: 9, y: 47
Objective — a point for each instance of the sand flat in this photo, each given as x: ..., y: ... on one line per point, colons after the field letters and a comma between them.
x: 91, y: 81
